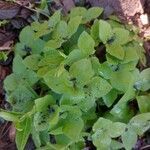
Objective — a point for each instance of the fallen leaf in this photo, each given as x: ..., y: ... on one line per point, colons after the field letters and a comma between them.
x: 8, y: 10
x: 12, y: 133
x: 6, y: 36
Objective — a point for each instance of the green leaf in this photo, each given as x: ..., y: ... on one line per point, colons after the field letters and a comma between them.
x: 129, y: 138
x: 23, y: 134
x: 130, y: 54
x: 37, y: 46
x: 82, y: 71
x: 120, y: 80
x: 32, y: 61
x: 117, y: 129
x: 18, y: 66
x: 110, y: 97
x: 121, y: 36
x: 26, y: 36
x: 87, y: 48
x: 40, y: 28
x: 121, y: 110
x: 105, y: 71
x: 22, y: 98
x: 92, y: 13
x: 105, y: 31
x: 116, y: 51
x: 73, y: 128
x: 77, y: 11
x: 73, y: 25
x: 144, y: 103
x: 36, y: 137
x: 115, y: 145
x: 145, y: 79
x: 51, y: 58
x: 101, y: 140
x: 74, y: 56
x: 11, y: 82
x: 9, y: 116
x: 41, y: 104
x: 54, y: 19
x: 59, y: 84
x: 54, y: 44
x: 141, y: 123
x: 99, y: 87
x: 3, y: 56
x: 102, y: 123
x: 61, y: 30
x: 95, y: 32
x: 41, y: 121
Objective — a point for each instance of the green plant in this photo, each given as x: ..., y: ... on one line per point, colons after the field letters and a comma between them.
x: 63, y: 94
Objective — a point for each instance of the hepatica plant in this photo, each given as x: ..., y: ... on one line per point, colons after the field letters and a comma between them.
x: 75, y: 80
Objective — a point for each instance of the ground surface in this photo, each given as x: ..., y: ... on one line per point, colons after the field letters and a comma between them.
x: 20, y: 14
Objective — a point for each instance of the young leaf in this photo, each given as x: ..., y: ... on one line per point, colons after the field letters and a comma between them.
x: 82, y: 71
x: 116, y: 51
x: 88, y: 48
x: 74, y: 56
x: 59, y: 84
x: 95, y: 32
x: 41, y: 104
x: 61, y: 30
x: 10, y: 116
x: 105, y: 31
x: 92, y: 13
x: 73, y: 25
x: 54, y: 19
x: 121, y: 36
x: 78, y: 11
x: 99, y: 87
x: 26, y: 36
x: 23, y: 134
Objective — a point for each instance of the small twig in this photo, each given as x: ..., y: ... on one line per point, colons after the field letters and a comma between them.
x: 1, y: 133
x: 31, y: 9
x: 5, y: 48
x: 145, y: 147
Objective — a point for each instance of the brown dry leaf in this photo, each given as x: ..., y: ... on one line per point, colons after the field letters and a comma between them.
x: 8, y: 10
x: 12, y: 133
x: 6, y: 36
x: 67, y: 5
x: 6, y: 46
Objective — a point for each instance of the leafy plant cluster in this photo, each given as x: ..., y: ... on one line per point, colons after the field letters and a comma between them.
x: 63, y: 94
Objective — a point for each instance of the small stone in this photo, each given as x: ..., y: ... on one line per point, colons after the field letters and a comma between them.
x: 144, y: 19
